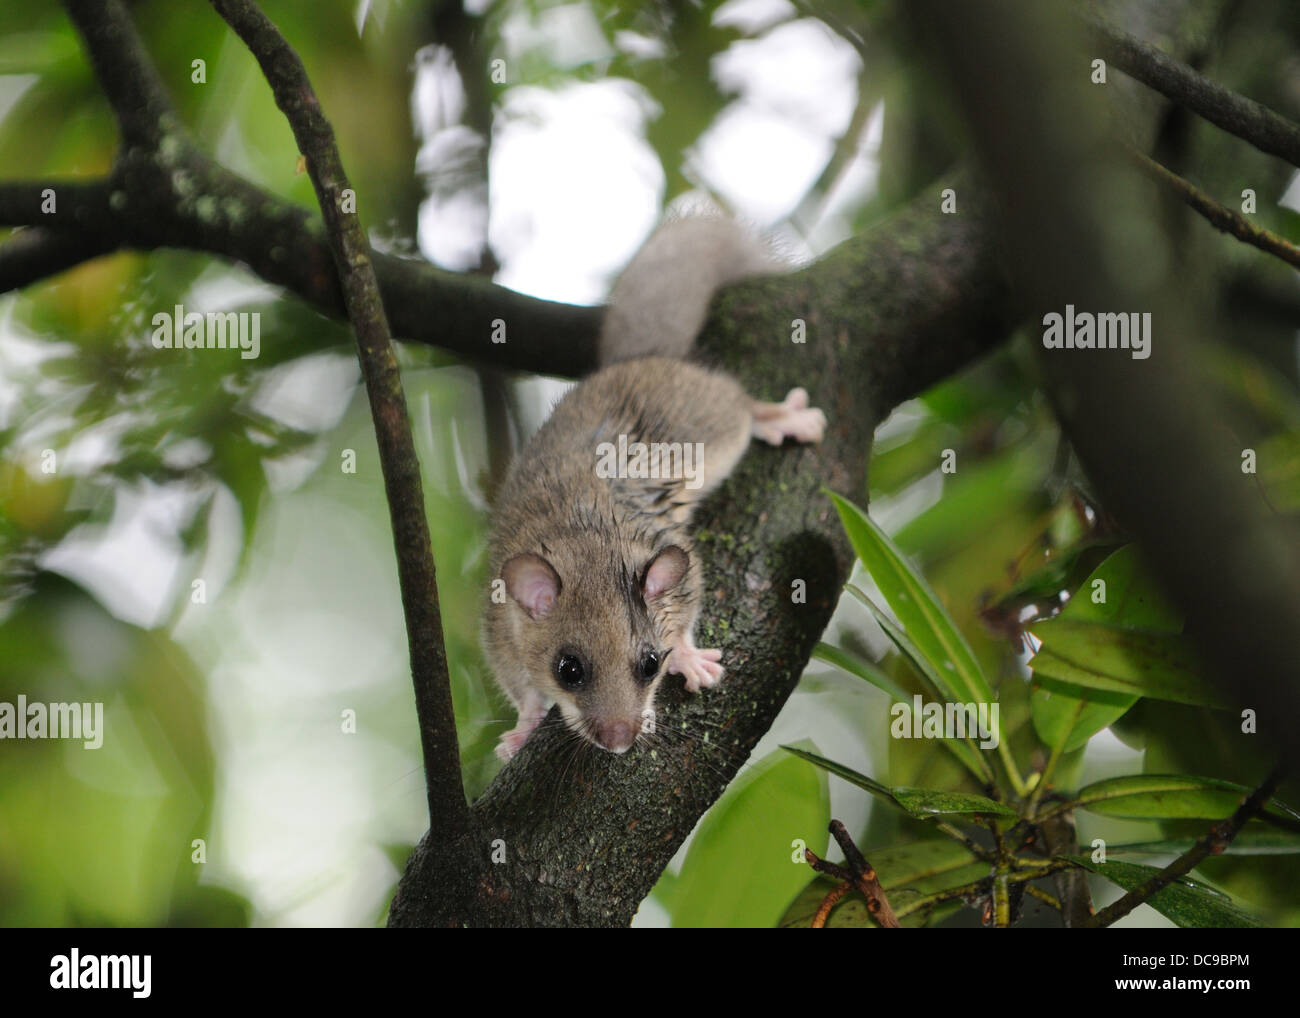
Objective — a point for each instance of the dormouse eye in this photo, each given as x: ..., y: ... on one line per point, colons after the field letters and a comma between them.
x: 649, y: 665
x: 570, y: 671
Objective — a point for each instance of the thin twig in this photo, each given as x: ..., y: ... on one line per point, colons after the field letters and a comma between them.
x: 1254, y: 122
x: 860, y: 874
x: 817, y: 200
x: 1212, y: 843
x: 972, y: 846
x: 1220, y: 216
x: 126, y: 74
x: 448, y: 810
x: 981, y: 887
x: 829, y: 902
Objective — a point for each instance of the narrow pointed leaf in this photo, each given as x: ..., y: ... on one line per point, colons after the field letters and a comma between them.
x: 1187, y: 903
x: 1171, y: 797
x: 963, y: 750
x: 914, y: 603
x: 847, y: 773
x: 853, y: 664
x: 1248, y: 842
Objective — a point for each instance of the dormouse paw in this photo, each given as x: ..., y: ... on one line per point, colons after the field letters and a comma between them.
x: 700, y: 668
x: 513, y: 740
x: 792, y: 418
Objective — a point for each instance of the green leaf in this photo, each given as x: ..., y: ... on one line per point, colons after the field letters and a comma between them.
x: 1248, y: 842
x: 934, y: 682
x: 1170, y: 797
x: 921, y: 803
x: 1069, y: 715
x: 924, y: 802
x: 975, y: 497
x: 1122, y: 660
x: 739, y: 869
x: 1186, y: 902
x: 963, y: 750
x: 853, y: 664
x: 847, y: 773
x: 922, y: 616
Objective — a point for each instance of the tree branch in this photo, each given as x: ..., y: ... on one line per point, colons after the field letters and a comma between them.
x: 1060, y: 839
x: 1251, y: 121
x: 37, y: 253
x: 1220, y: 216
x: 1213, y: 842
x: 287, y: 77
x: 126, y: 74
x: 81, y: 206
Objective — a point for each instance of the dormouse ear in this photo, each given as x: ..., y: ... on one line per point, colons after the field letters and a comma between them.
x: 532, y: 581
x: 664, y: 572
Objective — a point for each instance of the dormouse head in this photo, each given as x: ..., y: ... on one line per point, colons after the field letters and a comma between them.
x: 594, y: 635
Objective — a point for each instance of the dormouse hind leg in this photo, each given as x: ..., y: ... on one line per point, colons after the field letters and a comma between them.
x: 793, y: 418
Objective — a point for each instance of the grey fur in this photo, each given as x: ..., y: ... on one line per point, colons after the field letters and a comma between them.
x: 659, y: 303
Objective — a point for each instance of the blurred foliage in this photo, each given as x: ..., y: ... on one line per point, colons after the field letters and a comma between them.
x: 104, y: 836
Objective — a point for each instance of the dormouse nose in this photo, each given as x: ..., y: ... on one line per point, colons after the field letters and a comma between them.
x: 615, y: 736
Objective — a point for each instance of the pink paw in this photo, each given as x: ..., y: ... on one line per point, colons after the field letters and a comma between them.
x: 791, y: 418
x: 700, y: 668
x: 513, y: 740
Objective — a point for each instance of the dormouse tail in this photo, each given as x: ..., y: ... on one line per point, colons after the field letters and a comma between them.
x: 659, y: 303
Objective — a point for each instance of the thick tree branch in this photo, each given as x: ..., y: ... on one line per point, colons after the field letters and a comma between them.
x: 1251, y: 121
x: 80, y: 206
x: 403, y: 484
x: 36, y: 253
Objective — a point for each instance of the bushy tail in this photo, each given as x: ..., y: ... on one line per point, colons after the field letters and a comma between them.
x: 660, y: 301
